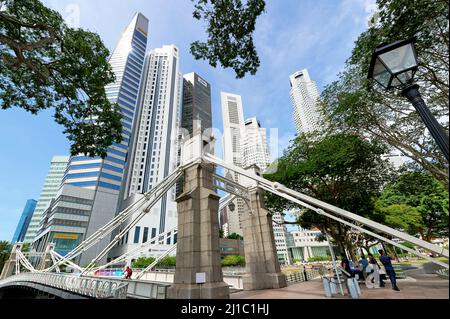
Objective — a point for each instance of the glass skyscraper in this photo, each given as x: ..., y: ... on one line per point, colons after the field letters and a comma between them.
x: 24, y: 221
x: 90, y: 189
x: 51, y: 185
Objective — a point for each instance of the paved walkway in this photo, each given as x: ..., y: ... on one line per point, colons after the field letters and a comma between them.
x: 415, y: 286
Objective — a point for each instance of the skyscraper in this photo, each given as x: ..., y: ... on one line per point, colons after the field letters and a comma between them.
x: 52, y: 182
x: 196, y: 107
x: 304, y: 95
x: 24, y: 221
x: 154, y: 147
x: 233, y: 135
x: 92, y: 181
x: 255, y: 148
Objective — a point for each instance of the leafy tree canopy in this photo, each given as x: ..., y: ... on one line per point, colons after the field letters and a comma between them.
x: 343, y: 170
x: 230, y: 26
x: 354, y: 104
x: 417, y: 203
x: 46, y: 64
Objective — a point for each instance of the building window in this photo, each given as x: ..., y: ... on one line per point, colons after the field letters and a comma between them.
x: 137, y: 232
x: 153, y: 232
x: 145, y: 237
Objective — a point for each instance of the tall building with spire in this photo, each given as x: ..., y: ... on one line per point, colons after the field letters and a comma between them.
x: 90, y: 189
x: 304, y: 94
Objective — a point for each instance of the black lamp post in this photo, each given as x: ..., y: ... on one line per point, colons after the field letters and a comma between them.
x: 394, y: 66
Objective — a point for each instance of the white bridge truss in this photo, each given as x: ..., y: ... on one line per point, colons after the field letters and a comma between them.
x: 250, y: 181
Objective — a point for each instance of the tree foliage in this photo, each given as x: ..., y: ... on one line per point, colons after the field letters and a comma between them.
x: 5, y: 250
x: 235, y: 236
x: 355, y: 104
x: 343, y: 170
x: 142, y: 262
x: 46, y: 64
x: 233, y: 260
x: 417, y: 203
x: 230, y: 26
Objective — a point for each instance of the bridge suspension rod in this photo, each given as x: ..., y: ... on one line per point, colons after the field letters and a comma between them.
x: 280, y: 189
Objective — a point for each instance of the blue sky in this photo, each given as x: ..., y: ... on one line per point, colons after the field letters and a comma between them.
x: 291, y: 35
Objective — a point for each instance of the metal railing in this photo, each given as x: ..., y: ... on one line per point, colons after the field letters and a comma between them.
x: 301, y: 276
x: 86, y: 286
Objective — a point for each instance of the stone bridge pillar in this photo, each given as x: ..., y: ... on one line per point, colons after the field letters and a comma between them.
x: 262, y: 269
x: 198, y: 251
x: 10, y: 265
x: 46, y: 259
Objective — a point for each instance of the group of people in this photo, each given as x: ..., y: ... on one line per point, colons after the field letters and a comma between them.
x: 372, y: 272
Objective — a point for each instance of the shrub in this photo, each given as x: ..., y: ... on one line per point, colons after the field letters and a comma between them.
x: 233, y: 260
x: 319, y: 258
x: 142, y: 262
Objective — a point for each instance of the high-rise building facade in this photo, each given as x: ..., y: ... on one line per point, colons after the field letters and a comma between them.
x: 304, y: 94
x: 255, y: 149
x: 233, y: 135
x: 94, y: 182
x: 52, y: 183
x: 24, y: 221
x: 155, y: 148
x: 196, y: 105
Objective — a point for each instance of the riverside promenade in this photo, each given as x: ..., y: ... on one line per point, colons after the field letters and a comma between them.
x: 416, y: 285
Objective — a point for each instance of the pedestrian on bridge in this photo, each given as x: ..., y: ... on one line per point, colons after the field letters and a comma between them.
x: 128, y: 272
x: 387, y: 263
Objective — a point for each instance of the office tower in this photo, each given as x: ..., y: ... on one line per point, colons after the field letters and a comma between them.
x: 24, y: 221
x: 52, y: 182
x: 307, y: 244
x: 283, y: 239
x: 233, y: 135
x: 155, y: 148
x: 255, y: 148
x: 304, y: 95
x: 196, y: 106
x: 92, y: 181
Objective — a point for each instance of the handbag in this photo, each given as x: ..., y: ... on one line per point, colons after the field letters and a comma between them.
x: 382, y: 271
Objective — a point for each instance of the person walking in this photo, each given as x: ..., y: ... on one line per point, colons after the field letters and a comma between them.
x: 128, y: 272
x: 387, y: 263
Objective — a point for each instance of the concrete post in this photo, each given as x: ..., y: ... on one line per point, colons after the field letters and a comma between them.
x: 9, y: 267
x: 46, y: 259
x: 198, y: 251
x: 261, y: 260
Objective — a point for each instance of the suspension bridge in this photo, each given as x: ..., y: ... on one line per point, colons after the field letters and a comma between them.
x: 198, y: 272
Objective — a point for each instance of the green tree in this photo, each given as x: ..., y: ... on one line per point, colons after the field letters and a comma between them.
x: 417, y: 203
x: 230, y: 26
x: 235, y: 236
x: 5, y: 250
x: 343, y: 170
x: 355, y: 104
x: 142, y: 262
x: 46, y: 64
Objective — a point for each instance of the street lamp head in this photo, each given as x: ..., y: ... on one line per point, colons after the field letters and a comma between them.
x: 394, y: 65
x: 232, y: 206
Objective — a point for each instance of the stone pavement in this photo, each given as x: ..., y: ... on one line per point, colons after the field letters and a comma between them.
x: 416, y: 286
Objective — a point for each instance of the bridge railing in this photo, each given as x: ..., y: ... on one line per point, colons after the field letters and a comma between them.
x: 86, y: 286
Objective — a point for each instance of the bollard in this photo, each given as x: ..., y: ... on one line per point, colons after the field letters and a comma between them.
x: 326, y: 287
x: 358, y: 289
x: 333, y: 286
x: 352, y: 288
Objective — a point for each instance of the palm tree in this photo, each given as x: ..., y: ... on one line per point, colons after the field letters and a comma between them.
x: 5, y: 249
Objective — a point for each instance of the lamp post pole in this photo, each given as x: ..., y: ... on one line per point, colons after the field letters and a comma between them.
x: 412, y: 93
